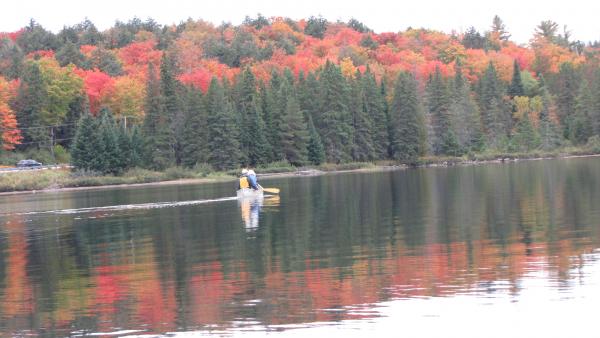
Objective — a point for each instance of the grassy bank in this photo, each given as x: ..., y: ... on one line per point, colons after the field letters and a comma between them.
x: 64, y: 178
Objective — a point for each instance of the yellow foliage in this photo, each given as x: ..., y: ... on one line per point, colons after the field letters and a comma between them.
x: 348, y: 69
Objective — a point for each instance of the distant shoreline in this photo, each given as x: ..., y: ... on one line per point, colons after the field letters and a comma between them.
x: 368, y: 167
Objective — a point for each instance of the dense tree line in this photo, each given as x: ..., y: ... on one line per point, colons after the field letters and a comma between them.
x: 80, y: 87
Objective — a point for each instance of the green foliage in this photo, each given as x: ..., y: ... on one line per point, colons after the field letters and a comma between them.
x: 334, y: 122
x: 294, y: 134
x: 223, y: 131
x: 158, y: 132
x: 316, y: 26
x: 194, y: 132
x: 374, y: 108
x: 316, y: 152
x: 516, y: 87
x: 525, y: 137
x: 405, y: 120
x: 439, y: 100
x: 363, y: 149
x: 69, y: 54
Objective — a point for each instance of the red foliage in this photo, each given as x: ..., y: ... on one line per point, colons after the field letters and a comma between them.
x: 13, y: 36
x: 41, y: 54
x: 96, y: 84
x: 9, y: 133
x: 199, y: 78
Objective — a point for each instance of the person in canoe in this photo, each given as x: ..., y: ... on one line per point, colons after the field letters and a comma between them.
x: 252, y: 180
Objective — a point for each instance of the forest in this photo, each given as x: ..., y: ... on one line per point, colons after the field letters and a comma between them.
x: 142, y: 94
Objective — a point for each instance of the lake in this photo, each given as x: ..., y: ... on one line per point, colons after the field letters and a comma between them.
x: 496, y: 250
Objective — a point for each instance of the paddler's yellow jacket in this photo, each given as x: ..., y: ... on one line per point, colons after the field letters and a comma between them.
x: 243, y: 183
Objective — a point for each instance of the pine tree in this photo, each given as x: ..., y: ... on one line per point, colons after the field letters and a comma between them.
x: 334, y: 122
x: 223, y: 133
x: 464, y: 114
x: 244, y: 96
x: 374, y: 107
x: 549, y: 132
x: 495, y: 114
x: 158, y: 132
x: 259, y: 150
x: 405, y: 120
x: 173, y: 112
x: 82, y: 150
x: 444, y: 142
x: 362, y: 145
x: 580, y: 123
x: 316, y: 152
x: 109, y: 160
x: 525, y: 137
x: 294, y: 136
x: 137, y: 147
x: 194, y: 138
x: 516, y: 85
x: 125, y: 159
x: 567, y: 88
x: 30, y: 103
x: 69, y: 54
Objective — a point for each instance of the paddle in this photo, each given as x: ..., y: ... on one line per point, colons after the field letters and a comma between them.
x: 270, y: 190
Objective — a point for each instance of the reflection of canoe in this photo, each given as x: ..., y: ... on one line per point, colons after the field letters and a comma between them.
x: 249, y: 193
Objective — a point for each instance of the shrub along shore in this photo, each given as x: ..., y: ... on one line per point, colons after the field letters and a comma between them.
x: 52, y: 180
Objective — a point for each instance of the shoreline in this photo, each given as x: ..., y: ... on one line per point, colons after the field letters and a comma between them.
x: 441, y: 162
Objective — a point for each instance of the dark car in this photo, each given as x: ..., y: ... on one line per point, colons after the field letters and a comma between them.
x: 28, y: 164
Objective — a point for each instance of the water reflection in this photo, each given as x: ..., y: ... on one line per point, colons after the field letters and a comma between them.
x: 250, y: 208
x: 331, y: 249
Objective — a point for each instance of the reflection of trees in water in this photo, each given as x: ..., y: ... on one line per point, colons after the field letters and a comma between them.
x: 335, y: 241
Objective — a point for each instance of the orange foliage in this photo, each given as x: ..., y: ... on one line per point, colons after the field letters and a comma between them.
x: 137, y: 55
x: 87, y: 50
x: 10, y: 135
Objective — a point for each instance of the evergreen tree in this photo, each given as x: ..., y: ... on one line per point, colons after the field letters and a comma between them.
x: 308, y: 95
x: 82, y: 150
x: 69, y: 53
x: 405, y: 120
x: 595, y: 112
x: 158, y: 153
x: 316, y: 152
x: 363, y: 148
x: 374, y: 107
x: 495, y: 114
x: 334, y: 123
x: 137, y: 147
x: 264, y: 104
x: 516, y: 85
x: 525, y: 137
x: 30, y: 103
x: 172, y: 108
x: 194, y: 137
x: 109, y: 160
x: 465, y: 115
x: 567, y: 89
x: 580, y: 123
x: 259, y: 150
x: 244, y: 95
x: 125, y: 158
x: 294, y: 136
x: 548, y: 131
x: 223, y: 133
x: 444, y: 139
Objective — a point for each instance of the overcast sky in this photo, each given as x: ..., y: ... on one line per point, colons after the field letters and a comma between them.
x: 520, y: 16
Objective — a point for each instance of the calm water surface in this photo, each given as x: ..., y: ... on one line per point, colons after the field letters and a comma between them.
x: 507, y: 250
